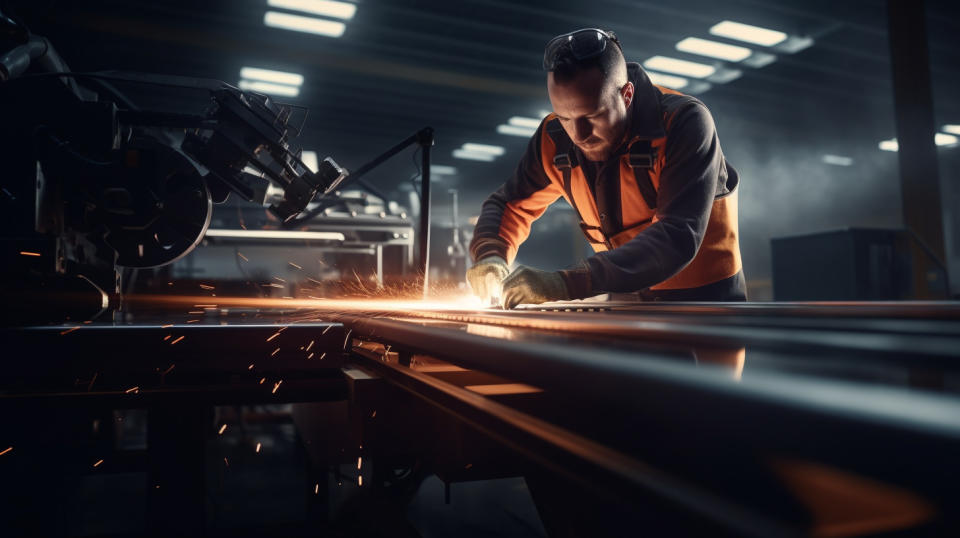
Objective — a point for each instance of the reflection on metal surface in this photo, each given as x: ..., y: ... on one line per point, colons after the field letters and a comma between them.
x: 844, y: 504
x: 733, y: 359
x: 503, y: 388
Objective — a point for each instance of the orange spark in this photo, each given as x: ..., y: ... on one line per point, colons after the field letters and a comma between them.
x: 250, y: 367
x: 310, y: 356
x: 28, y: 253
x: 207, y: 287
x: 310, y: 345
x: 316, y: 488
x: 242, y: 257
x: 359, y: 462
x: 132, y: 389
x: 98, y: 463
x: 295, y: 265
x: 280, y: 279
x: 276, y: 386
x: 167, y: 337
x: 262, y: 379
x: 276, y: 334
x: 195, y: 312
x: 275, y: 351
x: 177, y: 340
x: 70, y: 330
x: 8, y: 449
x: 167, y: 326
x: 360, y: 480
x: 258, y: 448
x: 222, y: 429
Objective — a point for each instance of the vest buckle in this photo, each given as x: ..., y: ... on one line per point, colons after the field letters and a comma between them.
x: 562, y: 161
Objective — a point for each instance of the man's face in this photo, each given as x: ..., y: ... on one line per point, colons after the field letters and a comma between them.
x: 592, y: 111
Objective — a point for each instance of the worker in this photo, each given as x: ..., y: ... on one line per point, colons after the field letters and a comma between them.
x: 642, y: 167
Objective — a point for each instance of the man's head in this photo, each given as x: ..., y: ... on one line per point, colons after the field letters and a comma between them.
x: 589, y: 90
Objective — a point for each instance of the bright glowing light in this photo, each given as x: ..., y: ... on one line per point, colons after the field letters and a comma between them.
x: 514, y: 130
x: 483, y: 148
x: 310, y: 25
x: 269, y: 75
x: 309, y: 159
x: 275, y: 234
x: 751, y: 34
x: 327, y: 8
x: 520, y: 121
x: 679, y: 67
x: 837, y: 160
x: 889, y: 145
x: 472, y: 156
x: 944, y: 139
x: 713, y: 49
x: 269, y: 88
x: 670, y: 81
x: 952, y: 129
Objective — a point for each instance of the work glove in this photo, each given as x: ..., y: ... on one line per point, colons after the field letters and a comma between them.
x: 527, y: 285
x: 485, y: 277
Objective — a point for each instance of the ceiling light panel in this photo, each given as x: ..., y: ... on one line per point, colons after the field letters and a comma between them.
x: 297, y: 23
x: 714, y: 49
x: 326, y: 8
x: 748, y: 33
x: 268, y: 75
x: 679, y: 67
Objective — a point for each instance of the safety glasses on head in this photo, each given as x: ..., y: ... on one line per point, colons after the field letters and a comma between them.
x: 583, y: 44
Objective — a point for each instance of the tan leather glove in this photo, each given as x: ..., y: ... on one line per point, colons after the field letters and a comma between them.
x: 485, y: 277
x: 527, y: 285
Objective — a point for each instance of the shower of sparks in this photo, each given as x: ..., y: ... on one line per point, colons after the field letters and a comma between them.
x: 6, y: 450
x: 222, y: 429
x: 177, y: 340
x: 295, y: 265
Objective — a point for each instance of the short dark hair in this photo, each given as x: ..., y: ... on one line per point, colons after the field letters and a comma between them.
x: 568, y: 67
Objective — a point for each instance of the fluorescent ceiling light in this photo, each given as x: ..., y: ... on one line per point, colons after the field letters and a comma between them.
x: 310, y: 25
x: 268, y: 75
x: 953, y: 129
x: 442, y: 170
x: 514, y: 130
x: 520, y: 121
x: 309, y: 159
x: 483, y: 148
x: 748, y: 33
x: 837, y: 160
x: 472, y: 156
x: 327, y: 8
x: 679, y: 67
x: 670, y: 81
x: 944, y: 139
x: 889, y: 145
x: 269, y: 88
x: 713, y: 49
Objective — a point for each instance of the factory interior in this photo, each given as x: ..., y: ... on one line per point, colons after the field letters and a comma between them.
x: 262, y: 271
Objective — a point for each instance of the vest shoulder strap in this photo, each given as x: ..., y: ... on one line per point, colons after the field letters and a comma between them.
x: 565, y: 160
x: 642, y: 155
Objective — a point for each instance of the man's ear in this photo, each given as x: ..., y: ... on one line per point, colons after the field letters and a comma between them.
x: 627, y: 93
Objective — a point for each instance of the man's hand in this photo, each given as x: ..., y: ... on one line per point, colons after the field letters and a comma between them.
x: 533, y: 286
x: 485, y: 277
